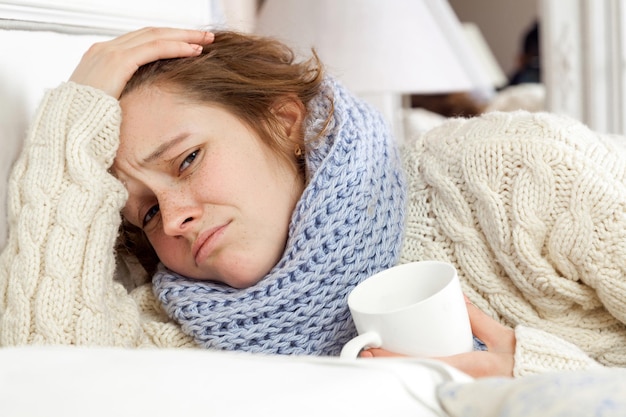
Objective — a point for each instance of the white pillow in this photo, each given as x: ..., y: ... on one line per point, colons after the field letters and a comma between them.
x: 418, y: 120
x: 528, y: 96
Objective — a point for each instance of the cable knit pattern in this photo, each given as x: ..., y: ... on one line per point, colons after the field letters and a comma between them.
x: 531, y: 210
x: 347, y: 226
x: 56, y: 272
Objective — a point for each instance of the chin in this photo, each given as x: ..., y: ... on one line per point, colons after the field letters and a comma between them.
x: 241, y: 277
x: 233, y: 274
x: 242, y: 282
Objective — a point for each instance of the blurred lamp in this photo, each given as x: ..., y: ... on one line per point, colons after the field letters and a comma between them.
x: 381, y: 49
x: 490, y: 64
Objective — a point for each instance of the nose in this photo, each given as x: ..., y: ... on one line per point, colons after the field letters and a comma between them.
x: 179, y: 214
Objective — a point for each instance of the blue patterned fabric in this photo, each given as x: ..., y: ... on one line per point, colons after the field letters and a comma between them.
x: 592, y: 392
x: 347, y: 226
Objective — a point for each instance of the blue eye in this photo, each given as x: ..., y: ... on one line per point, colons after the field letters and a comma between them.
x: 152, y: 211
x: 188, y: 161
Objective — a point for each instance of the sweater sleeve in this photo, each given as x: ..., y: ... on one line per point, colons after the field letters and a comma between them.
x: 56, y: 271
x: 537, y: 352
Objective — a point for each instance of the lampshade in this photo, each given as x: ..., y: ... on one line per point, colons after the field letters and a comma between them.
x: 490, y: 64
x: 388, y: 46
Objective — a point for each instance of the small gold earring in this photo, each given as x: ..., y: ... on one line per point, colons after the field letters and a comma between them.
x: 298, y: 151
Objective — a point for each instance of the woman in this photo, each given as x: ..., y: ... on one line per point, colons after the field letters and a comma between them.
x: 271, y: 214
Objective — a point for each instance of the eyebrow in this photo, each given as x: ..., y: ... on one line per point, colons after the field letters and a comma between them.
x: 164, y: 147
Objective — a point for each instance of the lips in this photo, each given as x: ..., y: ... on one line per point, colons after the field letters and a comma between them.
x: 206, y: 243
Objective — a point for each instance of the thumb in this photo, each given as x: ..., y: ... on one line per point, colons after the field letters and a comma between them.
x: 494, y: 334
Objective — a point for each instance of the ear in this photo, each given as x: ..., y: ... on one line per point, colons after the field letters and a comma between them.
x: 289, y: 112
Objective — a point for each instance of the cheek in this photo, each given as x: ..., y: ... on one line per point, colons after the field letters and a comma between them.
x: 170, y: 250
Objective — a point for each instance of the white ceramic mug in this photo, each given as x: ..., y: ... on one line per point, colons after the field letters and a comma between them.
x: 416, y: 309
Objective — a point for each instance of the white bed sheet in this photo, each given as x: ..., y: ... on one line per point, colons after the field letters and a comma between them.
x: 79, y: 382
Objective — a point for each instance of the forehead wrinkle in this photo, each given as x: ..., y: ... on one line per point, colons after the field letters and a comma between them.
x: 163, y: 148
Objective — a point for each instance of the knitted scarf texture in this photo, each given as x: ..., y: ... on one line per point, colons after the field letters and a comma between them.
x: 347, y: 225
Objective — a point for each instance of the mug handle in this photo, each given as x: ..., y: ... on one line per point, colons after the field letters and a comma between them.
x: 352, y: 349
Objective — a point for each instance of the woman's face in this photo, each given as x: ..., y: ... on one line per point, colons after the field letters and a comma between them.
x: 214, y: 202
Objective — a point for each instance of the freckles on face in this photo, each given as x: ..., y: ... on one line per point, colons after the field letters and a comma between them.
x: 214, y: 202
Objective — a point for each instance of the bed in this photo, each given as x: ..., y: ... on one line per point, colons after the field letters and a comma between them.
x: 99, y: 381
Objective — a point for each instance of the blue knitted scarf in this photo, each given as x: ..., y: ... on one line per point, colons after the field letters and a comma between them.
x: 347, y: 225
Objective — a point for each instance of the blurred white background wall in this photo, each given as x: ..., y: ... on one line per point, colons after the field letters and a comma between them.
x: 502, y: 23
x: 240, y: 14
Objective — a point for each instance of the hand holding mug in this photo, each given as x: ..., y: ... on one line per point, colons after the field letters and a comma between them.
x: 415, y: 309
x: 497, y: 360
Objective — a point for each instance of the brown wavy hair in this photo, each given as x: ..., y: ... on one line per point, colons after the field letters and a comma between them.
x: 244, y: 74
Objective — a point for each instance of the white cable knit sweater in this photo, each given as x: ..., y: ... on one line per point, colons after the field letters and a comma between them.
x: 56, y: 271
x: 529, y: 207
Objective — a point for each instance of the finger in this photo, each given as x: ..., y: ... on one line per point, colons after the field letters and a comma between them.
x: 163, y: 42
x: 151, y: 44
x: 366, y: 354
x: 159, y: 49
x: 379, y: 353
x: 142, y: 36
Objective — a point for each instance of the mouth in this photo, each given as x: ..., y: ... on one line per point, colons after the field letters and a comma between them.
x: 206, y: 242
